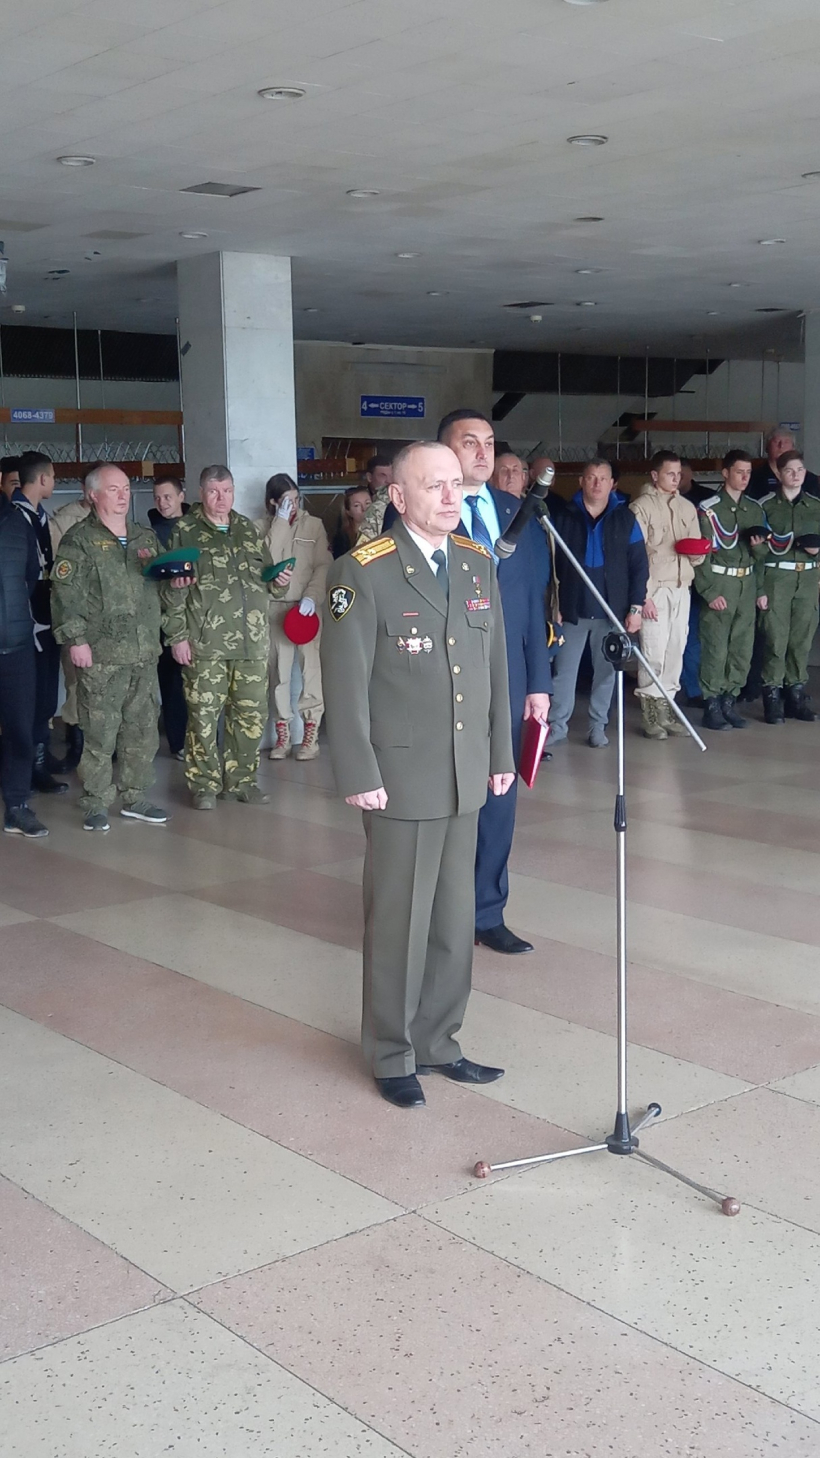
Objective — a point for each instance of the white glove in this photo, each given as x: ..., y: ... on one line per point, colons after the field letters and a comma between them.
x: 306, y: 607
x: 38, y: 629
x: 285, y: 511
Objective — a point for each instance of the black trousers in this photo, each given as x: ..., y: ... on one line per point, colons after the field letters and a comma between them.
x: 47, y: 670
x: 17, y: 695
x: 174, y: 710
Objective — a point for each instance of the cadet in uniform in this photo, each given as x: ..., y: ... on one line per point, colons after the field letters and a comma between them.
x: 218, y: 632
x: 790, y: 580
x: 726, y: 581
x: 108, y: 615
x: 418, y: 715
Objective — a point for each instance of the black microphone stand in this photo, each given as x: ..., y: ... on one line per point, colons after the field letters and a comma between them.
x: 618, y: 649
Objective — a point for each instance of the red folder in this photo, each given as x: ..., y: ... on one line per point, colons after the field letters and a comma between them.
x: 533, y: 740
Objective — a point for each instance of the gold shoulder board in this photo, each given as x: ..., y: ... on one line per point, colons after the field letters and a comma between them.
x: 468, y: 542
x: 371, y: 551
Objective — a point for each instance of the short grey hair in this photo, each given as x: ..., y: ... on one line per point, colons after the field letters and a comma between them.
x: 214, y: 473
x: 777, y: 430
x: 405, y: 454
x: 93, y: 480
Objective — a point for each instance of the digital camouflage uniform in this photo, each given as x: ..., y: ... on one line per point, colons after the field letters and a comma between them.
x: 731, y: 570
x: 790, y: 582
x: 59, y: 523
x: 373, y: 519
x: 100, y: 597
x: 224, y: 617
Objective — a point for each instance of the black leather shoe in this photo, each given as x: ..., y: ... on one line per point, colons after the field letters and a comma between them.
x: 405, y: 1092
x: 501, y: 939
x: 74, y: 746
x: 463, y: 1071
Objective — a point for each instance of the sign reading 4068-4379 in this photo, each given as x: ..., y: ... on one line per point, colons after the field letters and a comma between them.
x: 393, y: 407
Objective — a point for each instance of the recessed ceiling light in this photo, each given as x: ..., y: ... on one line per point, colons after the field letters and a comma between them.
x: 408, y: 255
x: 770, y: 242
x: 588, y: 139
x: 311, y: 311
x: 588, y: 270
x: 282, y: 93
x: 437, y: 293
x: 584, y: 2
x: 585, y: 304
x: 77, y: 161
x: 363, y: 192
x: 737, y: 286
x: 710, y: 313
x: 193, y: 235
x: 590, y: 218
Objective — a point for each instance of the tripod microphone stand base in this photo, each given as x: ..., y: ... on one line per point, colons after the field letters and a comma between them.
x: 622, y: 1141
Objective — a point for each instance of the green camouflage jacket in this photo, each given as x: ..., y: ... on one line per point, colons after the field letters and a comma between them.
x: 100, y: 597
x: 225, y: 613
x: 373, y: 520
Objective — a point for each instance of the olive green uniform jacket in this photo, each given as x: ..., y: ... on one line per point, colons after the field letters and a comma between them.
x: 732, y: 570
x: 416, y: 686
x: 224, y: 615
x: 789, y: 623
x: 94, y: 601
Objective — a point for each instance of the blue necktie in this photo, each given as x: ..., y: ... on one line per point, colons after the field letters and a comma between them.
x: 478, y: 530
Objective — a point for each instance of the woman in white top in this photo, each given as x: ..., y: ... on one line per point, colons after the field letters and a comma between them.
x: 290, y: 531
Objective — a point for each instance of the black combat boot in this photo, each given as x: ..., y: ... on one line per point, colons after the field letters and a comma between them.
x: 798, y: 705
x: 42, y: 779
x: 74, y: 746
x: 772, y: 705
x: 730, y: 713
x: 713, y: 714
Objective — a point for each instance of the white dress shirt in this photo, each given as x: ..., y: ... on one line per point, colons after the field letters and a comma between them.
x: 427, y: 549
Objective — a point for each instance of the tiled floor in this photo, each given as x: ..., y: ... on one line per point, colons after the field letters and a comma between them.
x: 218, y: 1242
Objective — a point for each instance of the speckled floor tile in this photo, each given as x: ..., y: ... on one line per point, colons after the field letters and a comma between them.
x: 184, y: 1193
x: 805, y: 1085
x: 456, y: 1354
x: 57, y: 1280
x: 170, y: 1381
x: 738, y: 1294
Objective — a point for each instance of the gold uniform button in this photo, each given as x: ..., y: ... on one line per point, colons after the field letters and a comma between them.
x: 459, y: 698
x: 464, y: 567
x: 459, y: 725
x: 456, y: 668
x: 452, y: 642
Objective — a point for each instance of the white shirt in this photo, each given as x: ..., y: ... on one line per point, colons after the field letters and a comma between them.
x: 427, y: 549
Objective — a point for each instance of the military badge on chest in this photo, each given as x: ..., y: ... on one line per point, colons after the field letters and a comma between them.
x: 414, y: 646
x: 477, y: 604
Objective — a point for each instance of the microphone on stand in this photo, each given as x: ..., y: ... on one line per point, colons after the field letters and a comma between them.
x: 532, y: 504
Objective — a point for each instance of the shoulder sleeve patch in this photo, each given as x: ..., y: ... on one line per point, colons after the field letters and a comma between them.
x: 63, y: 569
x: 468, y: 542
x: 339, y: 601
x: 372, y: 551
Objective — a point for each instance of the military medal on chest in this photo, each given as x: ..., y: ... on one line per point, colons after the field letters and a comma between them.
x: 477, y: 604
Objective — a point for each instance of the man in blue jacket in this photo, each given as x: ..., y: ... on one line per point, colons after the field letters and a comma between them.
x: 604, y: 535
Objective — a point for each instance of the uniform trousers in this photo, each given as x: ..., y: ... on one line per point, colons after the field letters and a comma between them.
x: 238, y: 687
x: 17, y: 687
x: 663, y: 642
x: 788, y: 625
x: 172, y: 695
x: 727, y: 638
x: 282, y: 653
x: 68, y: 710
x: 565, y: 674
x: 419, y: 909
x: 496, y: 828
x: 117, y: 707
x: 47, y: 668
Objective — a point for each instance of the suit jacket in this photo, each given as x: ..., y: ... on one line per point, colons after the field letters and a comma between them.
x: 415, y: 685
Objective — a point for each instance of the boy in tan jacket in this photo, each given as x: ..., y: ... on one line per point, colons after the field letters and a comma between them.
x: 666, y: 518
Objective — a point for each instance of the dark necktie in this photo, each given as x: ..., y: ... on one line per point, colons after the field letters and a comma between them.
x: 478, y: 530
x: 441, y: 571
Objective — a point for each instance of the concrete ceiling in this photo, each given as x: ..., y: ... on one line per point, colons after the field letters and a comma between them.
x: 457, y: 112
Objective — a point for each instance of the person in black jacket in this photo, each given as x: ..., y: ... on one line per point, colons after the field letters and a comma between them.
x: 37, y: 486
x: 169, y: 506
x: 19, y: 575
x: 601, y: 531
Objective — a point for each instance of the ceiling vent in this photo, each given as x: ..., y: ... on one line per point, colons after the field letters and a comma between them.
x: 531, y: 304
x: 114, y: 233
x: 220, y: 189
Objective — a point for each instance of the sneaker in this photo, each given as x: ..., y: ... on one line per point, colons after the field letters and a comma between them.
x: 178, y: 754
x: 22, y: 821
x: 309, y: 748
x: 281, y: 748
x: 247, y: 795
x: 96, y: 820
x: 597, y: 738
x: 144, y: 810
x: 204, y: 800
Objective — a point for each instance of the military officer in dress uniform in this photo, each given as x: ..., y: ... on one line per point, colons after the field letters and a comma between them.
x: 418, y: 716
x: 789, y: 575
x: 726, y: 581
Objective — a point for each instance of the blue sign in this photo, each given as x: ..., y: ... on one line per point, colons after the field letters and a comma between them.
x: 32, y: 417
x: 306, y: 453
x: 393, y: 407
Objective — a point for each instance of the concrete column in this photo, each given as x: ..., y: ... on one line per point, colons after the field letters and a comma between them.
x: 811, y: 397
x: 236, y: 335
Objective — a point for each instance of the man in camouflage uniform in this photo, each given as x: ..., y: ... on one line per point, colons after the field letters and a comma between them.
x: 108, y: 615
x: 790, y: 579
x: 726, y: 581
x: 59, y: 523
x: 378, y: 475
x: 218, y: 631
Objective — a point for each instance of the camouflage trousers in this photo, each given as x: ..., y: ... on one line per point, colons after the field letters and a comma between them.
x: 240, y: 688
x: 117, y: 711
